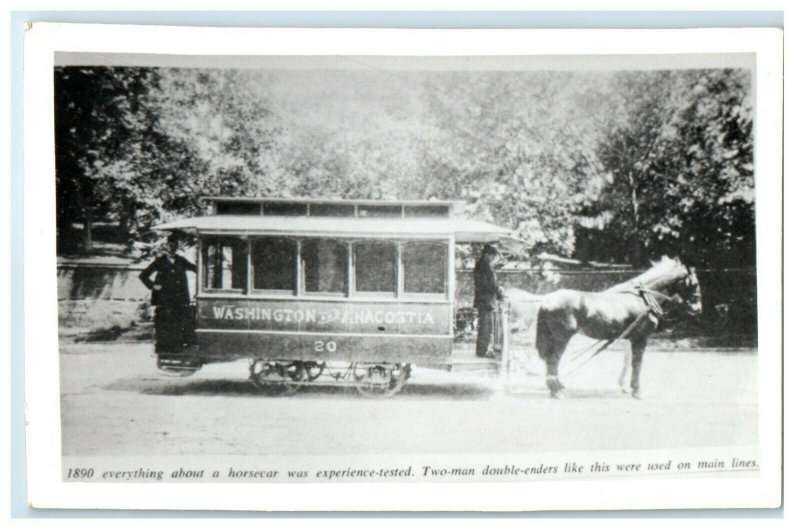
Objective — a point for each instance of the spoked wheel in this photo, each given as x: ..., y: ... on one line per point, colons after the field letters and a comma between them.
x: 278, y: 378
x: 380, y: 380
x: 314, y: 370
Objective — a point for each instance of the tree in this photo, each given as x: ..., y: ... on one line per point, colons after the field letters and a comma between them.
x: 680, y: 158
x: 143, y: 144
x: 519, y: 147
x: 230, y: 127
x: 96, y: 115
x: 663, y: 158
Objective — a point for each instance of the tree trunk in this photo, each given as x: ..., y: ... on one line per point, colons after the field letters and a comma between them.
x: 88, y: 219
x: 123, y: 227
x: 638, y: 255
x: 634, y: 200
x: 636, y: 246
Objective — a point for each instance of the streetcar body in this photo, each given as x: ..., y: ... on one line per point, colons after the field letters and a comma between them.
x: 292, y: 280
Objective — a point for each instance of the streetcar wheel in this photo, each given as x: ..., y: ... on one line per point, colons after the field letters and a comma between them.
x: 314, y: 370
x: 278, y: 378
x: 380, y: 380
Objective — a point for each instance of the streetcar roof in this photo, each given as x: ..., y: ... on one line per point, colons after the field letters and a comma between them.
x: 464, y: 230
x: 343, y: 201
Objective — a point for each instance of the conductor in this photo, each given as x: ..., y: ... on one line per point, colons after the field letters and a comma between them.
x: 487, y: 294
x: 170, y: 296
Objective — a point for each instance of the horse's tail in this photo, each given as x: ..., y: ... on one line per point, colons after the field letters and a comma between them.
x: 543, y: 333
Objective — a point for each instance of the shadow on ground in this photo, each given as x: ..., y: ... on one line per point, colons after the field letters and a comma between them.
x: 243, y: 388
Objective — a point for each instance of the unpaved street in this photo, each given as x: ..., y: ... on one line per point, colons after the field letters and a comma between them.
x: 115, y: 402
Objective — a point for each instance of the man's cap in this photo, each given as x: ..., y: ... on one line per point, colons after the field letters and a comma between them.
x: 490, y: 249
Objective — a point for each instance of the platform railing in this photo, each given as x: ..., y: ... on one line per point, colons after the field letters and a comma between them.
x: 501, y: 340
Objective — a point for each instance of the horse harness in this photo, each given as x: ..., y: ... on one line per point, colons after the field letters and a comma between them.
x: 649, y: 297
x: 654, y: 311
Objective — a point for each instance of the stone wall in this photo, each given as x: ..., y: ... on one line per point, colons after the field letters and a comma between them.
x: 100, y: 296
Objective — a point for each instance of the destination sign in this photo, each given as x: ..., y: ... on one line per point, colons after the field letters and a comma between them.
x: 334, y: 316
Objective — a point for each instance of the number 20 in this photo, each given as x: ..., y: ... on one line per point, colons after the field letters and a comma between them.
x: 320, y: 346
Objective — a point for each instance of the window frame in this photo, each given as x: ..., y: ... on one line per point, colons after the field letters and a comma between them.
x: 378, y: 294
x: 344, y: 243
x: 444, y: 244
x: 281, y: 292
x: 204, y: 269
x: 299, y: 292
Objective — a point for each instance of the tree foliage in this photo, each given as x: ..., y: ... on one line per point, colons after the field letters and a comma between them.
x: 680, y: 152
x: 520, y: 149
x: 99, y: 114
x: 661, y: 160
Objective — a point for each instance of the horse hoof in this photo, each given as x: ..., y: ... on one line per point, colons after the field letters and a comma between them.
x: 636, y: 395
x: 624, y: 390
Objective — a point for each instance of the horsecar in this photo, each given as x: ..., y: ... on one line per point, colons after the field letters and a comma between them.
x: 351, y: 292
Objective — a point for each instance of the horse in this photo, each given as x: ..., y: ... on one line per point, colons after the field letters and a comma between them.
x: 630, y: 310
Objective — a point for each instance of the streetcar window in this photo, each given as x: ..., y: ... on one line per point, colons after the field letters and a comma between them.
x: 427, y: 211
x: 225, y: 263
x: 380, y: 211
x: 274, y: 262
x: 324, y: 267
x: 284, y: 209
x: 424, y: 268
x: 332, y: 210
x: 238, y: 208
x: 375, y: 267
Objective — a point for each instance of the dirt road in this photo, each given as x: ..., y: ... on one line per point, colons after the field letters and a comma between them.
x: 115, y: 402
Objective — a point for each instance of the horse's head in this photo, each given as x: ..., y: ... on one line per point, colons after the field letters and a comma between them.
x: 688, y: 291
x: 676, y: 281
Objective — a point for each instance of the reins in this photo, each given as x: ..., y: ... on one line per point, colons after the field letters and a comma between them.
x: 653, y: 307
x: 649, y: 297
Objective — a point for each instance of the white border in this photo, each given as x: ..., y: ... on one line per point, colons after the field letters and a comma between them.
x: 177, y: 40
x: 42, y: 383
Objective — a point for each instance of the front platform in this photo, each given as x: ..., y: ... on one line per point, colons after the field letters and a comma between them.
x: 463, y: 359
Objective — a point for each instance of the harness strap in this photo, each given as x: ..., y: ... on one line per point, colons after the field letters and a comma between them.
x: 605, y: 346
x: 649, y: 297
x: 653, y: 307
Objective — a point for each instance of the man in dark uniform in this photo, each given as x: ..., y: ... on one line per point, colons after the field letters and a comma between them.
x: 174, y: 327
x: 487, y: 294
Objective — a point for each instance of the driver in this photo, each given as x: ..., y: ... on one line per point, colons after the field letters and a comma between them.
x: 487, y: 294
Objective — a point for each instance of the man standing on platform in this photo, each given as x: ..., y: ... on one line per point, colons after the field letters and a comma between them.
x: 487, y: 294
x: 174, y: 326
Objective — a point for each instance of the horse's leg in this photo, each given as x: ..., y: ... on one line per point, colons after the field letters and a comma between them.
x: 553, y: 359
x: 626, y: 362
x: 553, y: 384
x: 529, y: 367
x: 637, y: 352
x: 552, y: 335
x: 546, y: 346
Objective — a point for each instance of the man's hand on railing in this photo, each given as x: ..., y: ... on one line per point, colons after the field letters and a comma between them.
x: 501, y: 296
